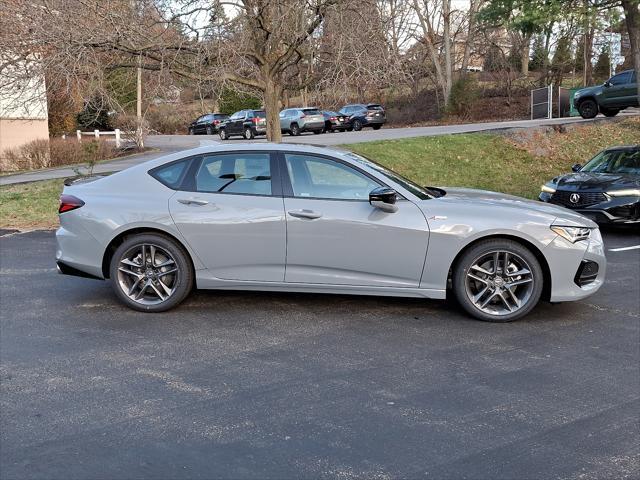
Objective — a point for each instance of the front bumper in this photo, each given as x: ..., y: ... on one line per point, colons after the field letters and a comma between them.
x: 573, y: 273
x: 611, y: 211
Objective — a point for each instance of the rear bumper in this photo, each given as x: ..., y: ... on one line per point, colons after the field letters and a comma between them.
x: 77, y: 250
x: 65, y: 269
x: 311, y: 126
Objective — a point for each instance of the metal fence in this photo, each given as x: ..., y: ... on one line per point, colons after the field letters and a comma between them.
x: 541, y: 102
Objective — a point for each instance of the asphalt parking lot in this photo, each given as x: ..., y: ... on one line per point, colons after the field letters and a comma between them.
x: 265, y: 385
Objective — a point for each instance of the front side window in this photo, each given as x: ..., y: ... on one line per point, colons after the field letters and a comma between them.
x: 246, y: 173
x: 317, y: 177
x: 621, y: 79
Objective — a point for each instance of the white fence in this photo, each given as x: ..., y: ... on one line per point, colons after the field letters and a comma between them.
x: 97, y: 134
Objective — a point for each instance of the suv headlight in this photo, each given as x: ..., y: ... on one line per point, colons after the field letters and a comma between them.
x: 628, y: 192
x: 548, y: 189
x: 572, y: 234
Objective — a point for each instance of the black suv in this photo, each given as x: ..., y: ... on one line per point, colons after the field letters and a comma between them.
x: 361, y: 115
x: 247, y: 123
x: 617, y: 93
x: 207, y: 124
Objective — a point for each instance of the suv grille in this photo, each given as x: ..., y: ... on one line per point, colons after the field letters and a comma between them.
x: 584, y: 199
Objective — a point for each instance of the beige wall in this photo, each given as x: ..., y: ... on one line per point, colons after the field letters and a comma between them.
x: 17, y: 132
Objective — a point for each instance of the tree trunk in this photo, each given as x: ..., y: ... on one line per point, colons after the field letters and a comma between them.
x: 587, y: 48
x: 471, y: 30
x: 446, y: 38
x: 272, y: 93
x: 632, y: 18
x: 524, y: 54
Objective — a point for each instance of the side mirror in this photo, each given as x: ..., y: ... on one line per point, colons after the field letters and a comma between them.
x: 576, y: 167
x: 384, y: 198
x: 606, y: 84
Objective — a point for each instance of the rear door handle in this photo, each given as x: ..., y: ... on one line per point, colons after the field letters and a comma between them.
x: 310, y: 214
x: 192, y: 201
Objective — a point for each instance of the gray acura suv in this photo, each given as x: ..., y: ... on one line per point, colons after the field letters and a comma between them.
x: 299, y: 218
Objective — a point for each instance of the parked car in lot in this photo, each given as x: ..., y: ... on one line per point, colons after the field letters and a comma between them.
x: 247, y: 123
x: 334, y: 121
x: 617, y: 93
x: 299, y: 218
x: 207, y: 124
x: 295, y: 121
x: 606, y: 189
x: 362, y: 115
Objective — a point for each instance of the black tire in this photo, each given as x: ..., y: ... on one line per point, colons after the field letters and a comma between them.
x: 609, y: 112
x: 357, y: 125
x: 588, y: 108
x: 487, y: 247
x: 318, y: 132
x: 209, y: 131
x: 184, y: 277
x: 191, y: 132
x: 249, y: 134
x: 342, y: 130
x: 223, y: 134
x: 294, y: 129
x: 377, y: 127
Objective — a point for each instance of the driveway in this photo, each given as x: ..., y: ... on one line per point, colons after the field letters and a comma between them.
x: 170, y: 143
x: 271, y: 385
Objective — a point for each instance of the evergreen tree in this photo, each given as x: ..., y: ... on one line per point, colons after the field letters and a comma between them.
x: 539, y: 52
x: 601, y: 70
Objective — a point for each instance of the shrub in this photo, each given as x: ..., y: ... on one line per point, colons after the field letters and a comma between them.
x: 463, y: 93
x: 57, y: 152
x: 231, y: 101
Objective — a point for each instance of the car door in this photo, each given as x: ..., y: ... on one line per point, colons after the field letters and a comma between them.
x: 234, y: 127
x: 231, y: 213
x: 614, y: 93
x: 334, y: 236
x: 197, y: 127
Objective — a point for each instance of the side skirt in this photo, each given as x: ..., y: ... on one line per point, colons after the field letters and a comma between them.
x: 219, y: 284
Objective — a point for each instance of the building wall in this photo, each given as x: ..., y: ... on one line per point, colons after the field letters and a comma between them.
x: 17, y: 132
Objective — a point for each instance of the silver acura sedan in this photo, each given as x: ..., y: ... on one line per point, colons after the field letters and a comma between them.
x: 309, y: 219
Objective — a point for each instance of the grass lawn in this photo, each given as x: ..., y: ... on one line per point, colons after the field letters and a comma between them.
x: 516, y: 164
x: 30, y: 205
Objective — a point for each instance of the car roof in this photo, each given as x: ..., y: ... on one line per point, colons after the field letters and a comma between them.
x: 622, y: 147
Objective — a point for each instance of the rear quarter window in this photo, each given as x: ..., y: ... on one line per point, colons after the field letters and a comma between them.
x: 171, y: 175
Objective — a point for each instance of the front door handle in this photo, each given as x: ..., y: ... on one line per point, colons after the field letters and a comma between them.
x: 192, y: 201
x: 310, y: 214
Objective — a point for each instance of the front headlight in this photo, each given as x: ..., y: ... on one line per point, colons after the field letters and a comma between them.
x: 629, y: 192
x: 572, y: 234
x: 547, y: 189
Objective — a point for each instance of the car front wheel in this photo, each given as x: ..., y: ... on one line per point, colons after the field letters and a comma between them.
x: 498, y: 280
x: 151, y: 273
x: 588, y: 109
x: 295, y: 130
x: 223, y: 134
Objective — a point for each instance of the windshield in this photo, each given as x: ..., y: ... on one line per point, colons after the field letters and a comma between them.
x: 414, y: 188
x: 311, y: 111
x: 615, y: 161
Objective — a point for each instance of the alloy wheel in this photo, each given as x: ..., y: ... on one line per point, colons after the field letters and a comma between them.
x: 147, y: 274
x: 499, y: 283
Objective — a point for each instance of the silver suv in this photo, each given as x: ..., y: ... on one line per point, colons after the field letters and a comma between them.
x: 294, y: 121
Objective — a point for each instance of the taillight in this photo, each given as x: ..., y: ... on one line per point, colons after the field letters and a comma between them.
x: 255, y: 120
x: 68, y: 203
x: 333, y: 118
x: 216, y: 122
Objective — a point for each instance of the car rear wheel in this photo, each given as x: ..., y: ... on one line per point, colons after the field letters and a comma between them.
x: 318, y: 132
x: 295, y: 130
x: 588, y: 109
x: 151, y: 273
x: 377, y: 127
x: 498, y: 280
x: 191, y: 132
x: 357, y: 125
x: 249, y: 134
x: 607, y: 112
x: 223, y: 134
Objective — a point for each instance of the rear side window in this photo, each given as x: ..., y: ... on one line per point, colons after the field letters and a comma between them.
x: 260, y: 114
x: 621, y: 79
x: 171, y: 175
x: 246, y: 173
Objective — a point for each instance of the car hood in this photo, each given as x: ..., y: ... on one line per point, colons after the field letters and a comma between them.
x: 589, y: 90
x: 497, y: 201
x: 596, y: 182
